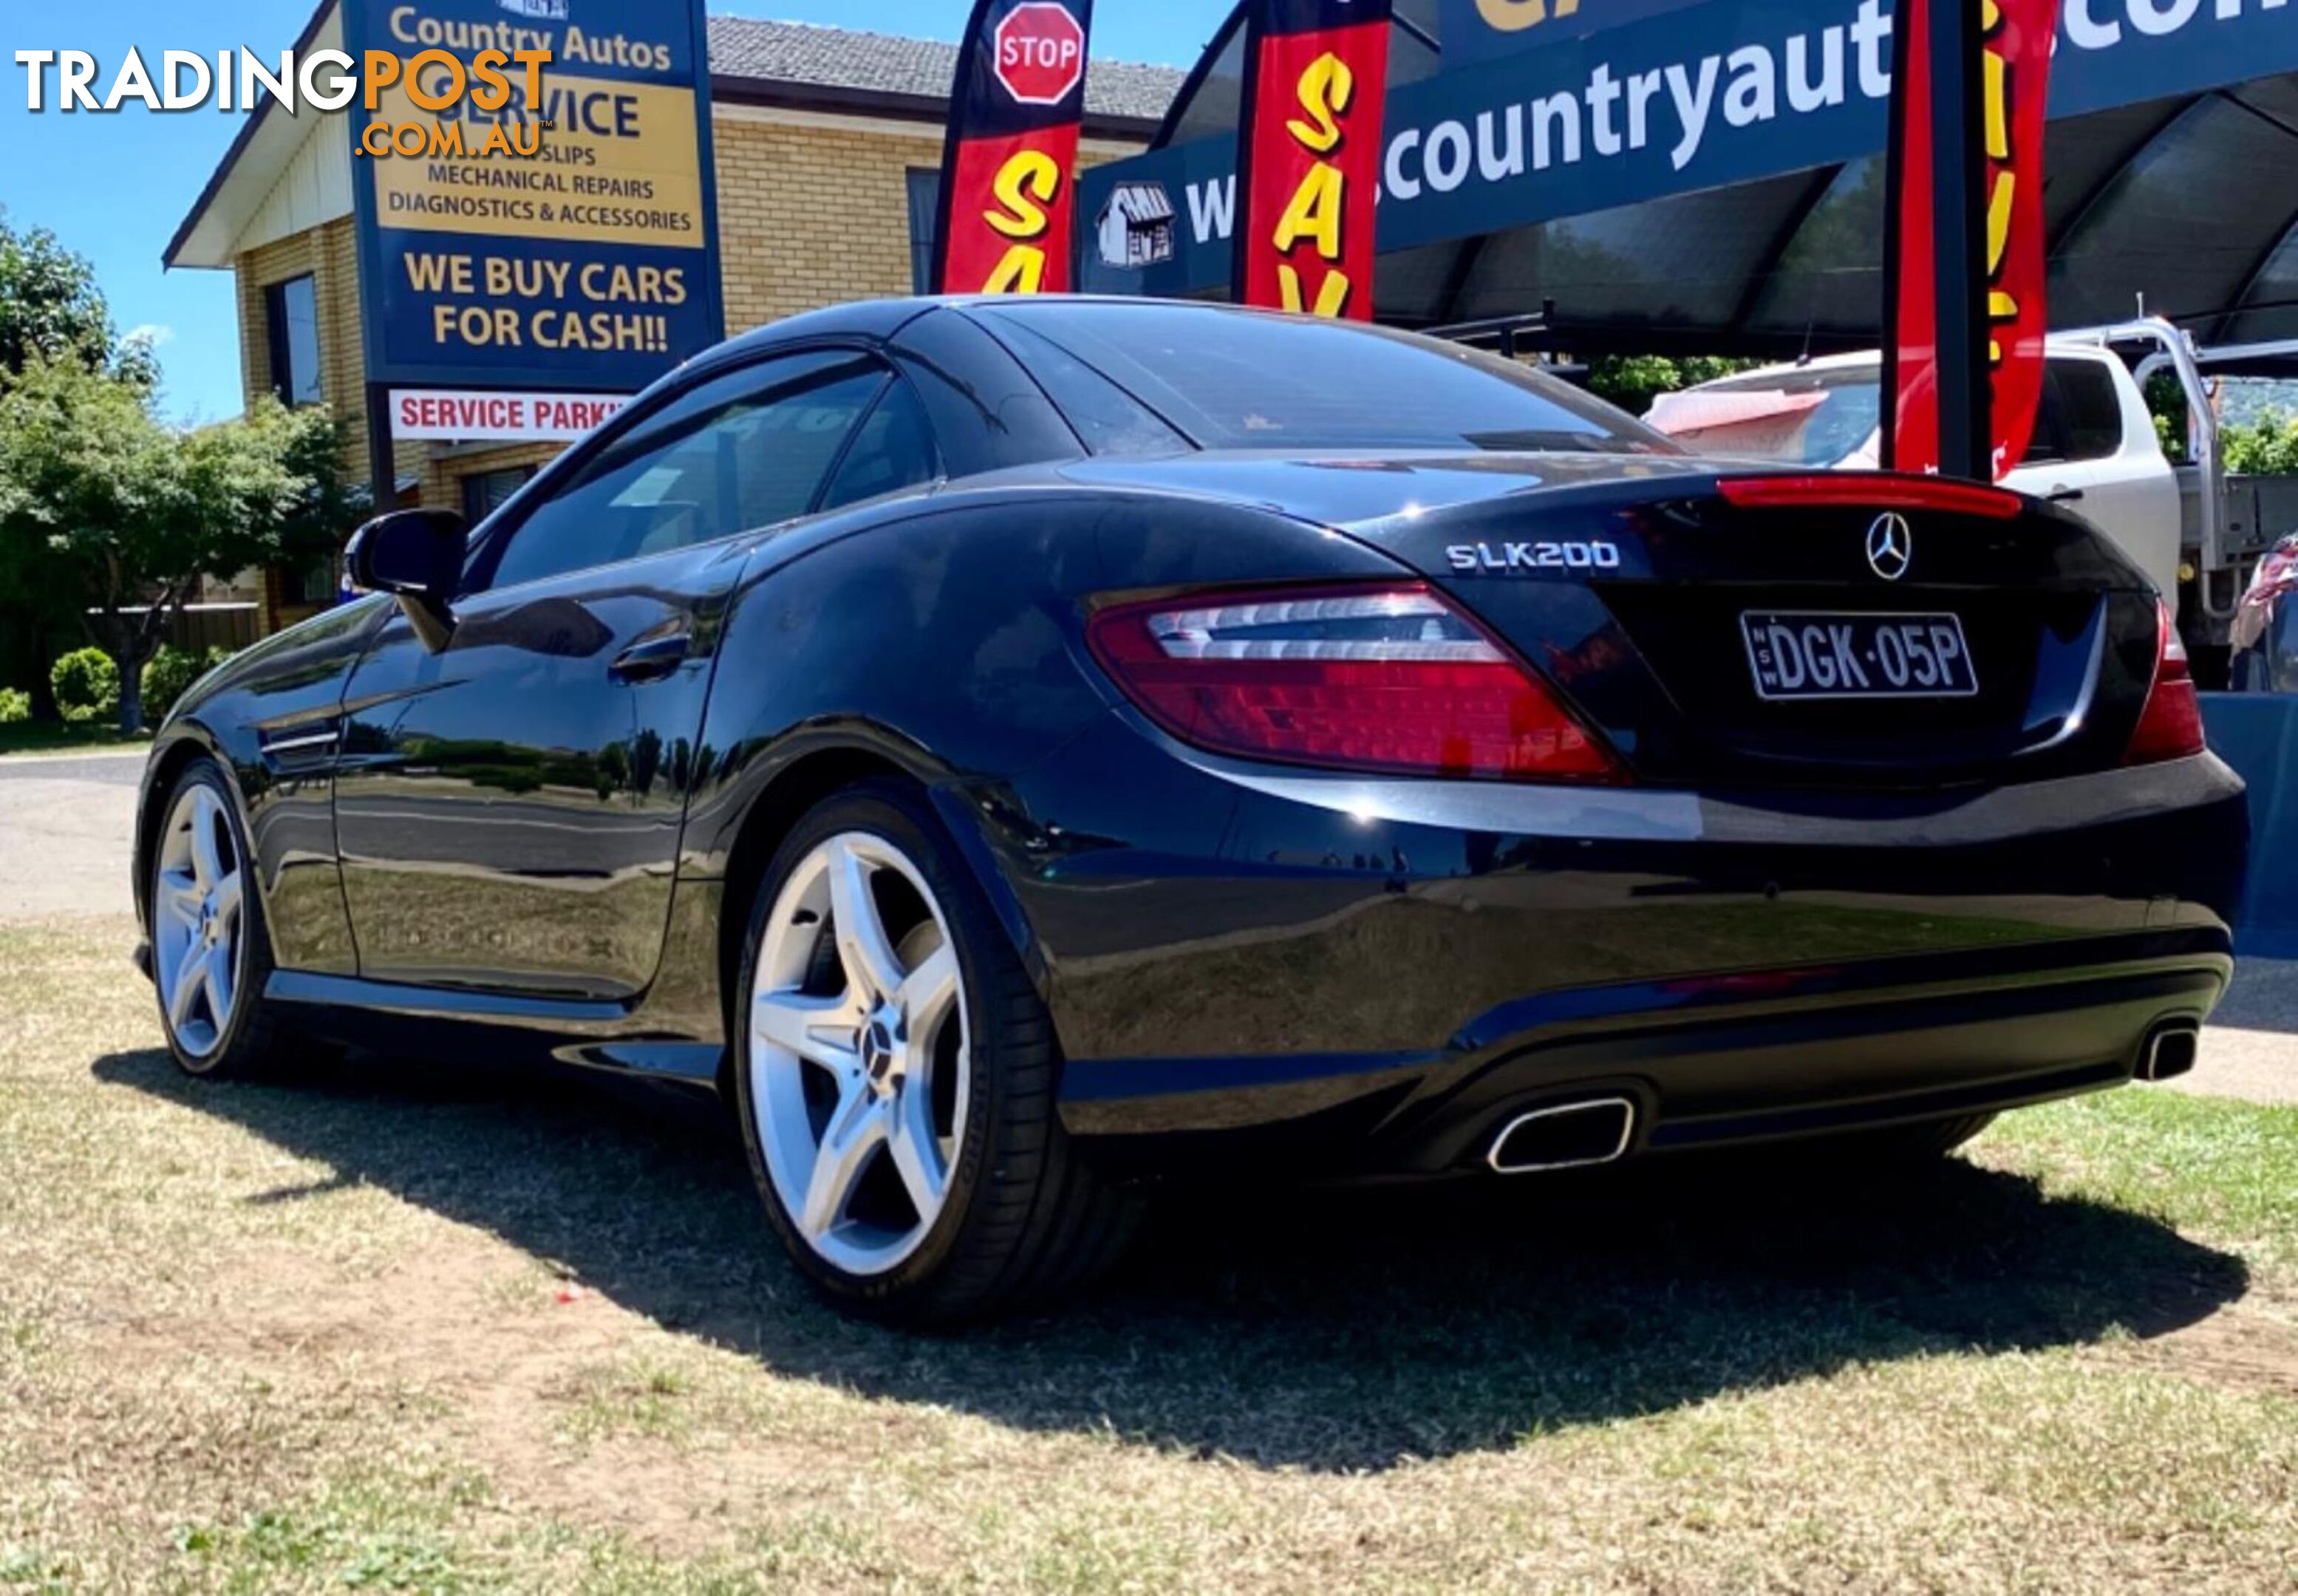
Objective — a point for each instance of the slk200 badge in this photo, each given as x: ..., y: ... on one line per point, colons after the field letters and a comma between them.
x: 1533, y: 557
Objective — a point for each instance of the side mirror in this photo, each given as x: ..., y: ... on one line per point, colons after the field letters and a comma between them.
x: 417, y: 556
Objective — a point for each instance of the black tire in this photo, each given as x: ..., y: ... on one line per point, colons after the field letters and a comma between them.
x: 1025, y: 1220
x: 254, y: 1040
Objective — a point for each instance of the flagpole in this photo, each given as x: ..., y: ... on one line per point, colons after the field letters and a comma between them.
x: 1958, y: 169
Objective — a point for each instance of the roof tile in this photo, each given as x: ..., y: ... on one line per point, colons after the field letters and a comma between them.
x: 808, y: 53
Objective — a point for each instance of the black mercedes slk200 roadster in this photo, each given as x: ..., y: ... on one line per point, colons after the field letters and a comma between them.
x: 1017, y: 752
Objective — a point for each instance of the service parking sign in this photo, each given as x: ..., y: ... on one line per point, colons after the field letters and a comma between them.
x: 1040, y: 53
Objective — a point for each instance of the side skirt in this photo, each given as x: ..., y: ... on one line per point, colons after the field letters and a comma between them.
x: 494, y: 1027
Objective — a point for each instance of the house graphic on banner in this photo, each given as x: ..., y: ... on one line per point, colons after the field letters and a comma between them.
x: 1135, y: 229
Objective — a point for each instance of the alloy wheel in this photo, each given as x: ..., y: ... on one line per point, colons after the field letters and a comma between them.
x: 859, y: 1069
x: 197, y: 920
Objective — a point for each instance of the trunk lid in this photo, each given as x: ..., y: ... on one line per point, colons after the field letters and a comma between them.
x: 1646, y: 595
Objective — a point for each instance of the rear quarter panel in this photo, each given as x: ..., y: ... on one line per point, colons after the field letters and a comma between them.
x: 947, y: 639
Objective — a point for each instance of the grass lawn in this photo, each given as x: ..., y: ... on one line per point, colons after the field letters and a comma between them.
x: 403, y: 1328
x: 45, y: 737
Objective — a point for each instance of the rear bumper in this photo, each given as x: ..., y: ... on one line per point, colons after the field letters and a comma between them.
x: 1366, y: 977
x: 1887, y: 1042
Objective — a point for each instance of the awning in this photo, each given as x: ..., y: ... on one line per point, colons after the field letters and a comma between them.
x: 1749, y: 217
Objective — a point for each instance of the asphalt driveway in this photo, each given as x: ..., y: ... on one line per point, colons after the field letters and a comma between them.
x: 65, y: 820
x: 64, y: 825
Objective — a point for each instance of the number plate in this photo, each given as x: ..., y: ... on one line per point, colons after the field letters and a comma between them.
x: 1805, y: 654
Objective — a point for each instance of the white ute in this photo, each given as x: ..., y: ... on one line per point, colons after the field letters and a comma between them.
x: 2095, y: 449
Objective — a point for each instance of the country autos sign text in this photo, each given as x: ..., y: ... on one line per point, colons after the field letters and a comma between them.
x: 553, y: 230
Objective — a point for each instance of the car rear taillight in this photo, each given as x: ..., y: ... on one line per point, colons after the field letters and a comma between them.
x: 1869, y: 490
x: 1391, y: 679
x: 2170, y: 727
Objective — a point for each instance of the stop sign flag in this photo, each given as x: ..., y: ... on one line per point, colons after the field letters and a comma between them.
x: 1008, y: 211
x: 1040, y: 53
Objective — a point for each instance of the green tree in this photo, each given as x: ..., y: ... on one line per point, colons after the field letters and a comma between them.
x: 1633, y: 382
x: 126, y: 514
x: 2267, y: 447
x: 51, y: 309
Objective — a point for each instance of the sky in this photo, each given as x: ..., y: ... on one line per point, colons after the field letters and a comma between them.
x: 114, y: 187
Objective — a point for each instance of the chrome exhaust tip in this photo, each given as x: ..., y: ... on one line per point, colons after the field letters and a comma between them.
x: 2171, y: 1052
x: 1569, y: 1136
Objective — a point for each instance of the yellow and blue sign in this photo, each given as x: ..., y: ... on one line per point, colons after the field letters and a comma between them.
x: 561, y: 236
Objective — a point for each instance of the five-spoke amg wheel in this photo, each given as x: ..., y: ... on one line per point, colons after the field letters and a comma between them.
x: 895, y: 1073
x: 209, y: 956
x: 862, y: 1086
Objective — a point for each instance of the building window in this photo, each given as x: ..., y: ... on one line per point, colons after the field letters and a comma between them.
x: 486, y: 491
x: 291, y: 314
x: 315, y: 583
x: 925, y: 210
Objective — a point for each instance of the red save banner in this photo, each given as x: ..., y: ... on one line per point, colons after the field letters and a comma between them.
x: 1911, y: 432
x: 1309, y: 171
x: 2016, y: 38
x: 1007, y: 214
x: 2014, y: 64
x: 1009, y: 161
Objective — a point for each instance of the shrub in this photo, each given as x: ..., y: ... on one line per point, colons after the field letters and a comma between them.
x: 168, y: 674
x: 87, y: 685
x: 15, y: 706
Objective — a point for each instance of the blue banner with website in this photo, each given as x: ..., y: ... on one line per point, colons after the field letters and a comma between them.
x: 1567, y: 117
x: 534, y: 224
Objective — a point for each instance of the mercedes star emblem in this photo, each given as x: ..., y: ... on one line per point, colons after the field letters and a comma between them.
x: 1890, y: 546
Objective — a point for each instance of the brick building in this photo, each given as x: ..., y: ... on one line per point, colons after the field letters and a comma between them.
x: 828, y: 144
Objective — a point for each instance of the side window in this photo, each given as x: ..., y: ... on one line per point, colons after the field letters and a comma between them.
x: 2048, y: 444
x: 747, y: 451
x: 894, y: 450
x: 2092, y: 409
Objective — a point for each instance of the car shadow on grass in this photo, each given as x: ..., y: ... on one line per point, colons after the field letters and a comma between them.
x: 1340, y: 1331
